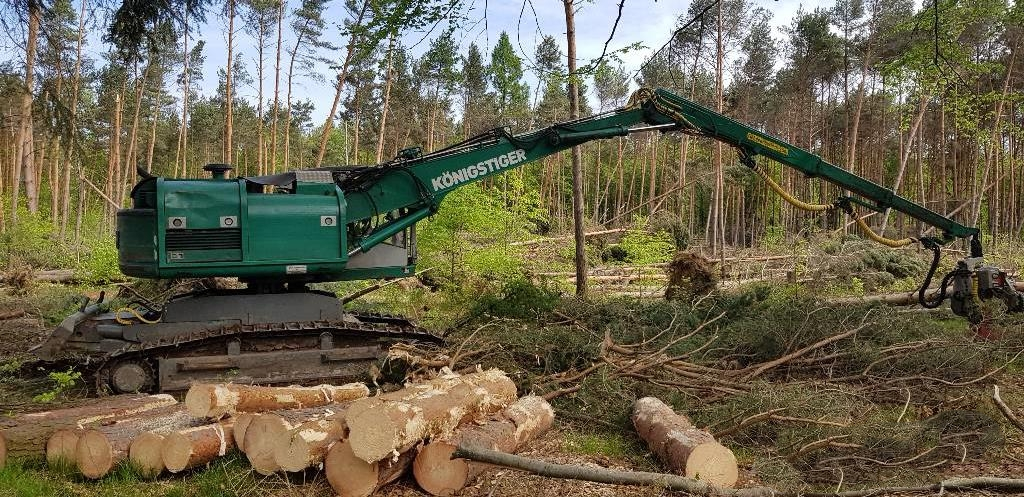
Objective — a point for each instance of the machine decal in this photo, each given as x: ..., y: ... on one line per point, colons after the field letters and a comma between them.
x: 451, y: 178
x: 766, y: 143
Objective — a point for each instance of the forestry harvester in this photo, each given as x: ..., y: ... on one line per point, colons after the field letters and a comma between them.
x: 279, y: 233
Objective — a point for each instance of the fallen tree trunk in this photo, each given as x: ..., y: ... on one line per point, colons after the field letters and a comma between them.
x: 55, y: 275
x: 695, y: 487
x: 12, y: 315
x: 216, y: 400
x: 392, y: 423
x: 26, y: 435
x: 99, y: 449
x: 684, y: 449
x: 351, y: 476
x: 439, y: 474
x: 904, y: 298
x: 191, y: 447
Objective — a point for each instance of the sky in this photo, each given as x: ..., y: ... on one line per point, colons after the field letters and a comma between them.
x: 647, y: 22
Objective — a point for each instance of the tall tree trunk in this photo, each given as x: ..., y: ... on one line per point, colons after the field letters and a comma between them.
x: 288, y: 101
x: 387, y: 97
x: 228, y: 90
x: 260, y: 139
x: 577, y: 155
x: 277, y: 89
x: 994, y: 139
x: 75, y: 87
x: 26, y: 170
x: 908, y: 147
x: 342, y: 76
x: 132, y: 155
x: 114, y: 154
x: 180, y: 157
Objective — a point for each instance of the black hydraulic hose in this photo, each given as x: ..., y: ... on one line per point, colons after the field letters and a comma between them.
x: 928, y: 280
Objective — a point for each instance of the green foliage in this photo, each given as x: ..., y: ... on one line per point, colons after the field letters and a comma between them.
x: 898, y: 264
x: 593, y: 444
x: 63, y: 381
x: 32, y: 240
x: 100, y: 263
x: 519, y: 299
x: 644, y: 247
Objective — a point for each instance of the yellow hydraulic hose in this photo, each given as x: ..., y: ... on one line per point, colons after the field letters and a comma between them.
x: 133, y: 312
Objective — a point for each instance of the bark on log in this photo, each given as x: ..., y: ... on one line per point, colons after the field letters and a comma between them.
x: 99, y: 449
x: 684, y: 449
x: 191, y: 447
x: 216, y: 400
x: 60, y: 447
x: 394, y: 422
x: 905, y: 298
x: 350, y: 476
x: 439, y: 474
x: 27, y: 434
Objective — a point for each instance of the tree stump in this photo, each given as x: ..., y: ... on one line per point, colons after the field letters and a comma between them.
x: 683, y: 448
x: 439, y: 474
x: 217, y: 400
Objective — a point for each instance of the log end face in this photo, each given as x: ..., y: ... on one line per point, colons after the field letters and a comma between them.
x: 713, y: 463
x: 242, y: 422
x: 176, y: 452
x: 199, y: 400
x: 294, y: 456
x: 349, y: 475
x: 436, y: 472
x: 262, y: 437
x: 93, y: 454
x: 60, y: 447
x: 145, y: 453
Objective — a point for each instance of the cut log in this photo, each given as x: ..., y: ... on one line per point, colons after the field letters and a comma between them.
x: 216, y: 400
x: 242, y: 421
x: 684, y: 449
x: 144, y: 453
x: 350, y: 476
x: 306, y: 445
x: 60, y: 448
x: 271, y: 433
x: 395, y: 422
x: 99, y: 449
x: 4, y: 316
x: 439, y: 474
x: 26, y: 435
x: 195, y: 446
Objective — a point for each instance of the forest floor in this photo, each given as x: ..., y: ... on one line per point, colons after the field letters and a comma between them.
x: 809, y: 395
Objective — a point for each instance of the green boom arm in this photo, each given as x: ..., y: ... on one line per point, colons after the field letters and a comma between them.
x: 415, y: 185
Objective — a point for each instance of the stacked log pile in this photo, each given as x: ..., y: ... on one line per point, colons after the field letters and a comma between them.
x: 361, y: 442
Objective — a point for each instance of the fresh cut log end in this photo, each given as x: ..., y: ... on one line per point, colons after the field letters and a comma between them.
x: 199, y: 399
x: 145, y: 454
x: 351, y: 476
x: 242, y: 422
x: 60, y: 448
x: 713, y: 463
x: 684, y: 449
x: 265, y: 433
x: 307, y: 444
x: 94, y: 455
x: 436, y: 472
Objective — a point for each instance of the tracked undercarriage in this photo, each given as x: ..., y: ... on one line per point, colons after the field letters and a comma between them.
x: 268, y: 338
